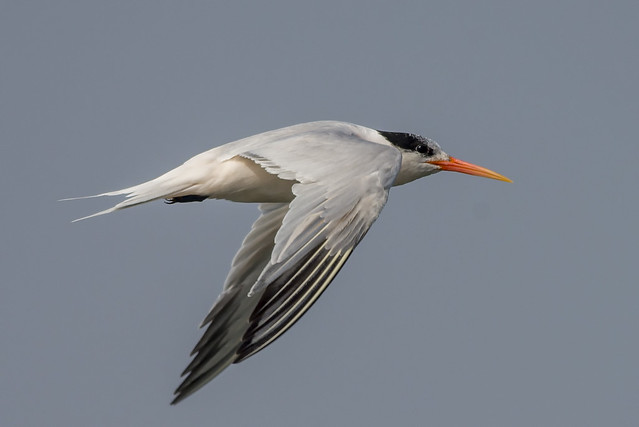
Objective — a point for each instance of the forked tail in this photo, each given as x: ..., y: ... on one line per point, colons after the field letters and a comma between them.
x: 171, y: 184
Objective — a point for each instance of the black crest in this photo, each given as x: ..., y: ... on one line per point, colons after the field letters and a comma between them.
x: 410, y: 141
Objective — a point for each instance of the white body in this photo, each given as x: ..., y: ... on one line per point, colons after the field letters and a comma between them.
x: 234, y: 171
x: 321, y: 186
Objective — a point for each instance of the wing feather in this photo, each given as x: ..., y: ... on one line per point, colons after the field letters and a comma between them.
x: 265, y: 330
x: 223, y: 336
x: 294, y: 252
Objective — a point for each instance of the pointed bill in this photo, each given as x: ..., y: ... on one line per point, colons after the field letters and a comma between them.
x: 456, y: 165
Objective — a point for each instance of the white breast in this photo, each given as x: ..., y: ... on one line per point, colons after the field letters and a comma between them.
x: 239, y: 180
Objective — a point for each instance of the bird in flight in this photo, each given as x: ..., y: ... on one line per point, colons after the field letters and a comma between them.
x: 320, y: 186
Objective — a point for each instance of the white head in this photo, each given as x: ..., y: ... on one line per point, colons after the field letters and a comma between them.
x: 422, y: 157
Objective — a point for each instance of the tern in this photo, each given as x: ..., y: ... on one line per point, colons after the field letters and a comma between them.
x: 320, y: 186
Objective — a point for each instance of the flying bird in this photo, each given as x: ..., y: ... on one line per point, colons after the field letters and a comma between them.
x: 320, y: 186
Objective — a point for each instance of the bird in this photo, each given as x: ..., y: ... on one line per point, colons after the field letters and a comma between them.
x: 320, y: 186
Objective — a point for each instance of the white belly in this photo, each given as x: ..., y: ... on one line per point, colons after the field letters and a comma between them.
x: 240, y: 180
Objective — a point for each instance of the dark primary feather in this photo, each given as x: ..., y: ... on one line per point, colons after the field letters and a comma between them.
x: 294, y: 250
x: 218, y: 346
x: 280, y: 308
x: 273, y: 311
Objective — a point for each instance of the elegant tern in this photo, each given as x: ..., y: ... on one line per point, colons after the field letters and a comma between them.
x: 320, y: 187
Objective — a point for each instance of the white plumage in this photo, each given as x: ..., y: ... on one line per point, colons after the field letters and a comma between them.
x: 320, y: 186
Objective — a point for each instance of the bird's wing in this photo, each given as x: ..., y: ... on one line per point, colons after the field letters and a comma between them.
x: 293, y: 252
x: 228, y: 318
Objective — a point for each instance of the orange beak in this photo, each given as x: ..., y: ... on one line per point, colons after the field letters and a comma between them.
x: 456, y: 165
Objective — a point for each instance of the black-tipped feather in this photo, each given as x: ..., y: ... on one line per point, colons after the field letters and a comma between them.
x: 219, y: 343
x: 306, y: 289
x: 273, y: 314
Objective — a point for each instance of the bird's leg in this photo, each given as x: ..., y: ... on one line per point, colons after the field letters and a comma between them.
x: 184, y: 199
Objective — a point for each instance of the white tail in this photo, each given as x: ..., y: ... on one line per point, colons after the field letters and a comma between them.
x: 172, y: 183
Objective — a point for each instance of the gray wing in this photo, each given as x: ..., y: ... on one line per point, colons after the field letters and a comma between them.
x: 293, y: 252
x: 228, y: 318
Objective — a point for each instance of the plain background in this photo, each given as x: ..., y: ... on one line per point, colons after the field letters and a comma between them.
x: 471, y: 302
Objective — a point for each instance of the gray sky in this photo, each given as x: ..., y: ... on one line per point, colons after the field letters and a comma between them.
x: 470, y: 302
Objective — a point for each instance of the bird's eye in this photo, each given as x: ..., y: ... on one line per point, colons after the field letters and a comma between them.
x: 424, y: 149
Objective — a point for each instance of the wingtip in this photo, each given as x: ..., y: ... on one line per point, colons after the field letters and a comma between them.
x: 182, y: 393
